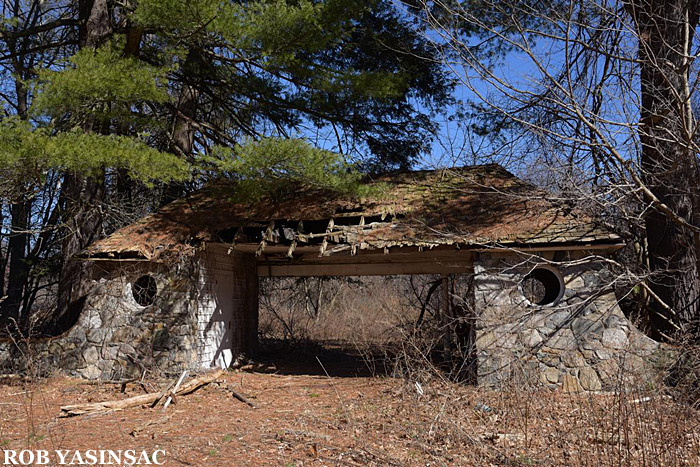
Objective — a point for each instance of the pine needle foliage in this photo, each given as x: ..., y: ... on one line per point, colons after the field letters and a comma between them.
x: 29, y: 154
x: 272, y: 167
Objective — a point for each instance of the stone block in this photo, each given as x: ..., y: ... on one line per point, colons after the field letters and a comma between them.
x: 615, y: 339
x: 91, y: 355
x: 98, y: 335
x: 486, y: 340
x: 570, y: 383
x: 562, y: 340
x: 127, y: 349
x: 72, y: 361
x: 589, y: 379
x: 549, y: 358
x: 110, y: 352
x: 91, y: 372
x: 608, y: 371
x: 105, y: 366
x: 124, y: 334
x: 531, y: 338
x: 77, y: 335
x: 573, y: 359
x: 586, y: 328
x: 613, y: 320
x: 55, y: 348
x: 550, y: 376
x: 92, y: 319
x: 643, y: 343
x: 557, y: 320
x: 574, y: 282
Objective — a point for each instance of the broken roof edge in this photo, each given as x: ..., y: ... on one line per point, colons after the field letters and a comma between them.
x: 473, y: 205
x: 166, y: 255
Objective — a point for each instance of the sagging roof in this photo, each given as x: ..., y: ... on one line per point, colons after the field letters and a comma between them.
x: 467, y: 207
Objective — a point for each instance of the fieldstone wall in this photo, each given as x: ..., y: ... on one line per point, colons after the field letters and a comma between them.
x: 204, y: 314
x: 114, y: 336
x: 580, y: 342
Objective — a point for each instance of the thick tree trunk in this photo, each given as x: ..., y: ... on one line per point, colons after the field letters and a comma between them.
x: 4, y: 256
x: 183, y: 130
x: 668, y: 159
x: 11, y: 312
x: 19, y: 268
x: 81, y: 196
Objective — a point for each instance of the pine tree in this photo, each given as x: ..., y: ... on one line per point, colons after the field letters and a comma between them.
x: 155, y: 91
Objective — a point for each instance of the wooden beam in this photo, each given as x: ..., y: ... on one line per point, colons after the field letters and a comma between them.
x: 379, y: 257
x: 357, y: 269
x: 338, y: 251
x: 361, y: 225
x: 119, y: 260
x: 236, y: 238
x: 553, y: 247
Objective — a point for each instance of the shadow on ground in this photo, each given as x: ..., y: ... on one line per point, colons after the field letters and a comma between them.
x: 320, y: 358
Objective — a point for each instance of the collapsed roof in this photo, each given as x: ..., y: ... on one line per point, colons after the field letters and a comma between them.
x: 476, y: 206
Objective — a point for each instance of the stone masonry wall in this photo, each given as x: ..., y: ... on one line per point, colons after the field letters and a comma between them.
x: 204, y: 314
x: 114, y: 336
x: 580, y: 342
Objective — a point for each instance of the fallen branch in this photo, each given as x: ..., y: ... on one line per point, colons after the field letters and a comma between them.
x: 163, y: 393
x: 240, y: 397
x: 144, y: 399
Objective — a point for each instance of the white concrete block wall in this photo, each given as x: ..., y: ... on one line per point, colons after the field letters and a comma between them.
x: 226, y: 305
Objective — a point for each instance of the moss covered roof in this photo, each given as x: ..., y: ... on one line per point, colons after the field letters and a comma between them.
x: 470, y: 206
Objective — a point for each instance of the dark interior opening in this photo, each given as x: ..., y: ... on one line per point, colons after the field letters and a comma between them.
x: 144, y: 290
x: 541, y: 287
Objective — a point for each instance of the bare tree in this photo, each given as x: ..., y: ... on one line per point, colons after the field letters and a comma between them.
x: 596, y: 95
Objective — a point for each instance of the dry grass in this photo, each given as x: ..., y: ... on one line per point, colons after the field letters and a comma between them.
x: 517, y: 425
x: 305, y: 417
x: 318, y: 420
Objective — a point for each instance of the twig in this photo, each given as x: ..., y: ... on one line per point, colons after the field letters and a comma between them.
x: 240, y: 397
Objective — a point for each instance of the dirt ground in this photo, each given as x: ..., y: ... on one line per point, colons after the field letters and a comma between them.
x: 314, y: 419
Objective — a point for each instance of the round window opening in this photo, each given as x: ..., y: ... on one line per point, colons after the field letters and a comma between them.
x: 542, y: 287
x: 144, y: 290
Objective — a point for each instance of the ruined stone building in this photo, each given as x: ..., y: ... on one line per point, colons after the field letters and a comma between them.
x: 179, y: 288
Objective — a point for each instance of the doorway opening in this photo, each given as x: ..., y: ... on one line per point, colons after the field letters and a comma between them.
x: 413, y: 326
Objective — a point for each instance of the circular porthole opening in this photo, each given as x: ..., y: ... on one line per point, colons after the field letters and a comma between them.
x: 542, y: 286
x: 144, y: 290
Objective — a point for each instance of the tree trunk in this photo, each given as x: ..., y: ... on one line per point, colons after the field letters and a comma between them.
x: 4, y: 256
x: 668, y: 158
x: 183, y: 131
x: 19, y: 267
x: 81, y: 196
x: 20, y: 217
